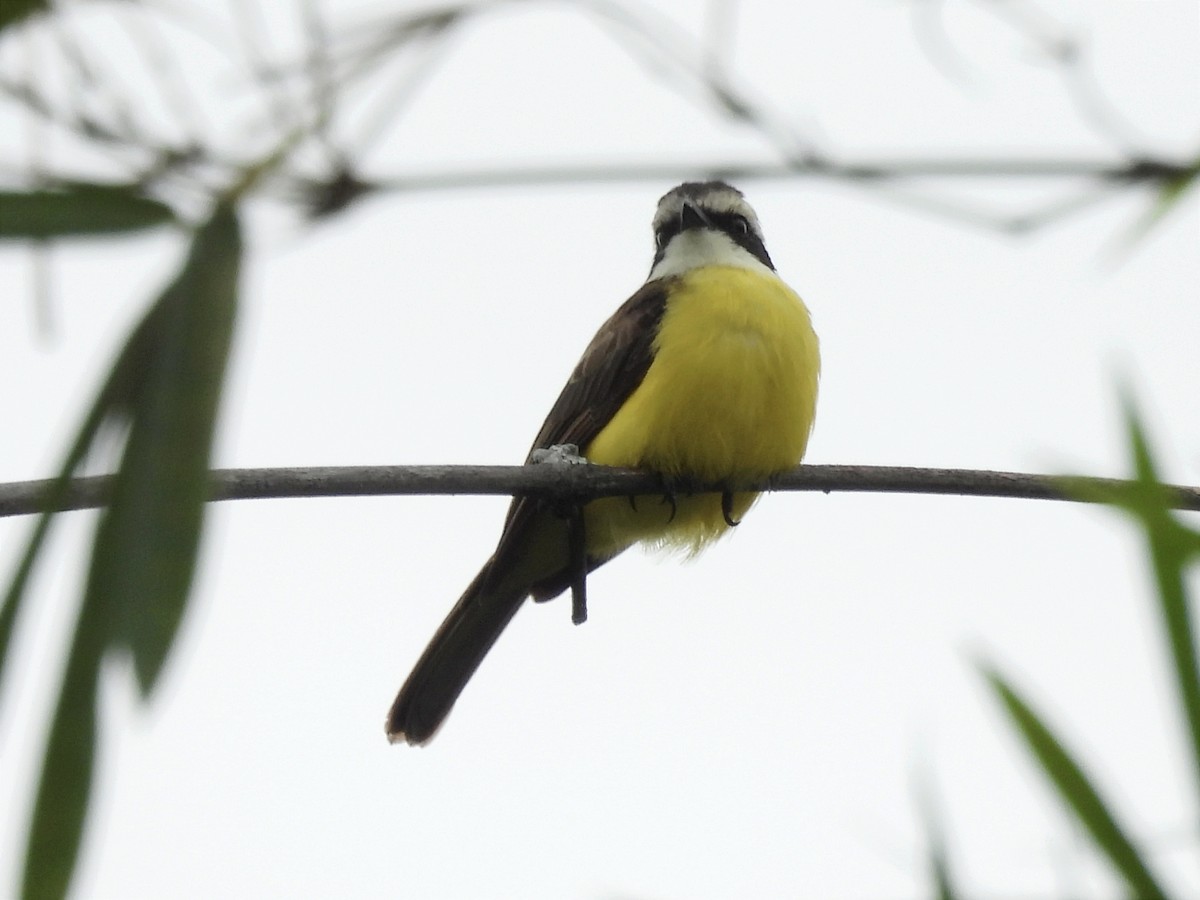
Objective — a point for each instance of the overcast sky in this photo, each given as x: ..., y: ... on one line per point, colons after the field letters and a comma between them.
x: 748, y: 724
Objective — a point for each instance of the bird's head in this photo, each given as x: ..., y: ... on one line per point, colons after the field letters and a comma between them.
x: 706, y: 223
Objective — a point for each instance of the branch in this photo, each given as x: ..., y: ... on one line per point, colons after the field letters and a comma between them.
x: 577, y: 483
x: 1130, y: 171
x: 300, y: 101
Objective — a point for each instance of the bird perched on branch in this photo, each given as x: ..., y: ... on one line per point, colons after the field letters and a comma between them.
x: 707, y: 375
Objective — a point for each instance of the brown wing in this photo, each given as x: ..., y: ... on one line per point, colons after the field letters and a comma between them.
x: 611, y: 368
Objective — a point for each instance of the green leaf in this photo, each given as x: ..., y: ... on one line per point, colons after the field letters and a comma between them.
x: 147, y: 541
x: 939, y: 857
x: 167, y: 381
x: 1173, y: 547
x: 14, y: 11
x: 1077, y: 791
x: 79, y: 210
x: 66, y: 778
x: 112, y: 406
x: 1169, y: 194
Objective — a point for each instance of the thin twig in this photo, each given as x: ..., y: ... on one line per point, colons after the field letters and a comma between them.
x: 1071, y: 56
x: 574, y: 483
x: 386, y: 111
x: 322, y: 93
x: 179, y: 96
x: 335, y: 57
x: 929, y: 29
x: 252, y: 32
x: 1132, y: 171
x: 671, y: 54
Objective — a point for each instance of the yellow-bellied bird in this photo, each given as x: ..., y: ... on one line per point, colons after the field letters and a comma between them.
x: 707, y: 375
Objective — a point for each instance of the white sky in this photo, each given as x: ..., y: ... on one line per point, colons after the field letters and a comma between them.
x: 750, y: 724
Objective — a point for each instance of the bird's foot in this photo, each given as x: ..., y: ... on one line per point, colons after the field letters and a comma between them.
x: 674, y: 487
x: 577, y: 560
x: 568, y: 455
x: 727, y: 509
x: 559, y: 455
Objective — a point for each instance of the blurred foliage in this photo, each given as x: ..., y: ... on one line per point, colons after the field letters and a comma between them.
x: 1173, y: 548
x: 163, y: 393
x: 938, y: 856
x: 79, y: 210
x: 1076, y: 791
x: 14, y: 11
x: 1166, y: 198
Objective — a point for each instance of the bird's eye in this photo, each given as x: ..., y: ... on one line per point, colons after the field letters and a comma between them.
x: 741, y: 225
x: 660, y: 238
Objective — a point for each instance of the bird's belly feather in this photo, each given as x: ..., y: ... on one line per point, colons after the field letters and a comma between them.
x: 729, y: 398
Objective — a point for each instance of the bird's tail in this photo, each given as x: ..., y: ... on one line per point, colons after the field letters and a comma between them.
x: 457, y: 649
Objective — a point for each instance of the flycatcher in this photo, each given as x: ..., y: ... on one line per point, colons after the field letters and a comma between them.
x: 707, y: 375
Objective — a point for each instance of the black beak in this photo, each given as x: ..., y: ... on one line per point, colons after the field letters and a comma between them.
x: 691, y: 216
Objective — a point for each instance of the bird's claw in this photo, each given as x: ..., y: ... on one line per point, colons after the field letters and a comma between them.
x: 727, y: 510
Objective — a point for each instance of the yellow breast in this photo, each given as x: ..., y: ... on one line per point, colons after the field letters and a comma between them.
x: 730, y: 397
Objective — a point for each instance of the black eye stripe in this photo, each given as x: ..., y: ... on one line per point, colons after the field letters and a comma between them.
x: 735, y: 225
x: 732, y: 223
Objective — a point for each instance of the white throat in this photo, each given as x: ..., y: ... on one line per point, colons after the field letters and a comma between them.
x: 699, y: 247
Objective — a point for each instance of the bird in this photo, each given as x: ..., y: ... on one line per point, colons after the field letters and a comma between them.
x: 707, y: 375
